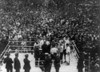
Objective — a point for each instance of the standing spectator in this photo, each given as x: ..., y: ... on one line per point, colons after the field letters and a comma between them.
x: 53, y: 50
x: 42, y: 42
x: 56, y: 62
x: 66, y: 49
x: 26, y: 64
x: 48, y: 47
x: 36, y: 53
x: 97, y: 64
x: 61, y: 52
x: 68, y: 53
x: 44, y: 48
x: 64, y: 53
x: 47, y: 62
x: 42, y: 58
x: 17, y: 65
x: 80, y: 63
x: 8, y: 62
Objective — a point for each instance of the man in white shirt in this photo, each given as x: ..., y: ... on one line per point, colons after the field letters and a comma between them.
x: 61, y: 47
x: 54, y: 50
x: 68, y: 53
x: 41, y: 43
x: 67, y: 50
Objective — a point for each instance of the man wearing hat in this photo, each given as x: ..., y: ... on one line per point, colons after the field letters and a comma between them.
x: 17, y: 65
x: 27, y: 66
x: 8, y: 62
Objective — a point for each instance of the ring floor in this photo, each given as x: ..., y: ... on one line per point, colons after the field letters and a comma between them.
x: 64, y: 67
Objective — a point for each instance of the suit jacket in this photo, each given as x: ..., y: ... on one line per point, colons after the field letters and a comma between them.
x: 8, y: 62
x: 17, y: 63
x: 44, y: 48
x: 26, y: 64
x: 57, y: 61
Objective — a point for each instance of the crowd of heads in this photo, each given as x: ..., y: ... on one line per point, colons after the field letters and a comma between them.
x: 78, y: 20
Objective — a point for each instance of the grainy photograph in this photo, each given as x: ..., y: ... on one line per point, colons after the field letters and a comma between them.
x: 49, y: 35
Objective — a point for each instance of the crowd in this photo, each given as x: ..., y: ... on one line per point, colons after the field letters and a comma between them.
x: 77, y: 19
x: 49, y: 50
x: 46, y: 53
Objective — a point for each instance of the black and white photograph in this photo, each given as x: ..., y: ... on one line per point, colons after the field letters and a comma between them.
x: 49, y: 35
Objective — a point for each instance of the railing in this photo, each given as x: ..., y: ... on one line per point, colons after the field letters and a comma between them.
x: 10, y: 44
x: 19, y: 41
x: 4, y: 51
x: 21, y: 51
x: 21, y: 44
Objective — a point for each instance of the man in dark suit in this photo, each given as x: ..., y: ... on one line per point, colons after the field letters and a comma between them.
x: 41, y: 62
x: 36, y: 54
x: 17, y: 65
x: 27, y: 66
x: 80, y: 62
x: 8, y: 62
x: 47, y: 62
x: 57, y: 62
x: 46, y: 47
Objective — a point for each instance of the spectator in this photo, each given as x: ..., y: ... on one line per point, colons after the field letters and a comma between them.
x: 61, y: 46
x: 47, y: 62
x: 8, y: 62
x: 17, y: 65
x: 27, y: 66
x: 36, y: 53
x: 41, y: 62
x: 80, y: 62
x: 68, y: 53
x: 44, y: 47
x: 56, y: 62
x: 53, y: 51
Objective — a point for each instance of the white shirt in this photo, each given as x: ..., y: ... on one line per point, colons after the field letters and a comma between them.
x: 68, y: 49
x: 61, y: 48
x: 47, y: 42
x: 41, y: 42
x: 67, y: 41
x: 53, y: 50
x: 35, y: 44
x: 23, y: 43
